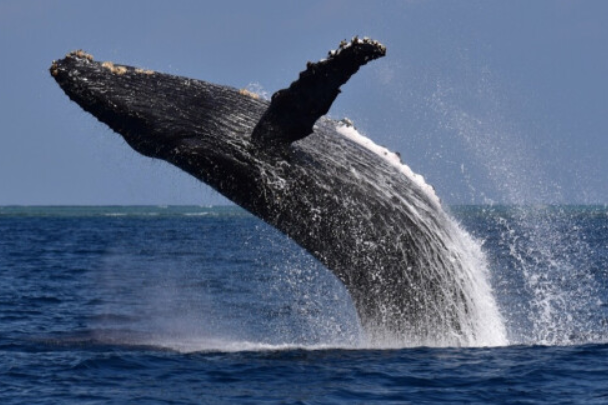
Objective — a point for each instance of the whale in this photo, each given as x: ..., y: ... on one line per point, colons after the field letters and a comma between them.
x: 352, y: 204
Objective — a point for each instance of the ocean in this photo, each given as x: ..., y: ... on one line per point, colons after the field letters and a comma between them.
x: 188, y: 304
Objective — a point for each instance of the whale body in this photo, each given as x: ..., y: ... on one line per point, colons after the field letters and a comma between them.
x: 350, y: 203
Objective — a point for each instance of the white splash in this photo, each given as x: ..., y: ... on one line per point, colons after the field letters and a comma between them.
x: 479, y: 317
x: 351, y: 133
x: 553, y: 307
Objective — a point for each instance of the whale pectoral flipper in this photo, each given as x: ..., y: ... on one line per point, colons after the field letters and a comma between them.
x: 293, y: 111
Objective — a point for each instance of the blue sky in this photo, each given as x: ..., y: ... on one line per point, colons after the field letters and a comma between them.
x: 491, y: 101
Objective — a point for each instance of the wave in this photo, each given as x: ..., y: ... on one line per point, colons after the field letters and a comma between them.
x: 121, y: 211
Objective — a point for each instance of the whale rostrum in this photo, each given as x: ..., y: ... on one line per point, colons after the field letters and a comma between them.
x: 350, y: 203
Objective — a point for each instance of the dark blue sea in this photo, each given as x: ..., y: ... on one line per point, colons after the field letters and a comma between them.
x: 208, y: 305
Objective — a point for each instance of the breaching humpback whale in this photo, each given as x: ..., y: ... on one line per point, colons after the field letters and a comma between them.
x: 350, y: 203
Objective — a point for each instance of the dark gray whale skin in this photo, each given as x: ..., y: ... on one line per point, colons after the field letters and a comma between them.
x: 349, y: 207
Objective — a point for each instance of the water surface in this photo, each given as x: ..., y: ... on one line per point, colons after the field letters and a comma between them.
x: 209, y: 305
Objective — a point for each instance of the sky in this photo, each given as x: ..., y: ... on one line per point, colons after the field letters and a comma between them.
x: 491, y: 101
